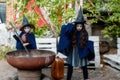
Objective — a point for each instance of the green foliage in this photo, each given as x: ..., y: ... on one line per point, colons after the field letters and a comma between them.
x: 55, y: 8
x: 106, y: 11
x: 41, y: 32
x: 111, y: 32
x: 4, y: 50
x: 2, y: 0
x: 92, y: 12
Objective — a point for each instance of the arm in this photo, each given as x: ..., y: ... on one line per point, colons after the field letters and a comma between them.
x: 31, y: 40
x: 18, y: 43
x: 16, y: 37
x: 64, y: 41
x: 68, y: 29
x: 91, y: 54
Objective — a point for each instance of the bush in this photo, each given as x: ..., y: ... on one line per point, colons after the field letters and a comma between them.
x: 4, y: 50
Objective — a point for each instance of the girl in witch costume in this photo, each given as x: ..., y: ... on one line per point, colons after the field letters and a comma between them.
x: 26, y: 36
x: 75, y: 45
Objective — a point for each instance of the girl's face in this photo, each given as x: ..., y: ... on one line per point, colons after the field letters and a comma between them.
x: 27, y: 29
x: 79, y: 27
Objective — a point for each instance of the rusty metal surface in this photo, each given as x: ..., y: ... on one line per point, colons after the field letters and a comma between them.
x: 38, y: 60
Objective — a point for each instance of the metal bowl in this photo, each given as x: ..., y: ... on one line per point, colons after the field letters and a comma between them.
x: 39, y: 59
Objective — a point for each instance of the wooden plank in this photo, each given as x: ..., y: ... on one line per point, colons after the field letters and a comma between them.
x: 94, y: 38
x: 118, y: 45
x: 46, y: 40
x: 118, y: 52
x: 114, y: 58
x: 118, y: 40
x: 96, y: 43
x: 97, y: 61
x: 48, y: 49
x: 112, y: 63
x: 46, y: 45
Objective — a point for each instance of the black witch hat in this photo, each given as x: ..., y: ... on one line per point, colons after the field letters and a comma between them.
x: 80, y: 18
x: 26, y: 23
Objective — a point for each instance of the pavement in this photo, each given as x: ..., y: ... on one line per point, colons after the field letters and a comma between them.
x: 7, y: 72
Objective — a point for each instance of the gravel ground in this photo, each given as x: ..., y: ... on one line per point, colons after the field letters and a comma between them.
x: 7, y: 72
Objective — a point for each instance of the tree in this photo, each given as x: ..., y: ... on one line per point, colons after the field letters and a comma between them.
x: 107, y: 12
x: 58, y: 11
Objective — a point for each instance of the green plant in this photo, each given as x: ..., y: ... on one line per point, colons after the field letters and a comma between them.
x: 2, y: 0
x: 107, y: 12
x: 58, y: 13
x: 4, y: 50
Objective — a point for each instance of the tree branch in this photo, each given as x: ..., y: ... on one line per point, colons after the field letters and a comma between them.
x: 91, y: 3
x: 46, y: 16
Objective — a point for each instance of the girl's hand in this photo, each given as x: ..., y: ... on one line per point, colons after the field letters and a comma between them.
x: 24, y: 39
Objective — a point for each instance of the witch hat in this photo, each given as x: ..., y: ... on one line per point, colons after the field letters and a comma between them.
x: 26, y: 23
x: 80, y: 18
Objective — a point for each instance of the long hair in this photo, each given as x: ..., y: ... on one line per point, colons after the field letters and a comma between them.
x: 83, y: 36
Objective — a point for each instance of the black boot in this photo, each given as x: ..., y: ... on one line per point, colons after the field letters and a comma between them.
x: 85, y: 72
x: 69, y: 72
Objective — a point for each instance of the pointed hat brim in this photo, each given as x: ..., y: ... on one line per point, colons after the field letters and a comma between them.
x: 27, y: 25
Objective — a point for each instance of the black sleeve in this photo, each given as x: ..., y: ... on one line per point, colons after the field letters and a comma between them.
x: 16, y: 38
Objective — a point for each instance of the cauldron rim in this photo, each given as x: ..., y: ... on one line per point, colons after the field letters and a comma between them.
x: 29, y: 63
x: 14, y: 51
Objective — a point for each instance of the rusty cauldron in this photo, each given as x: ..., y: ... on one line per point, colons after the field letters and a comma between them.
x: 22, y: 61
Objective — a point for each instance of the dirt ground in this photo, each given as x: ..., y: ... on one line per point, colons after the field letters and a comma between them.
x: 112, y: 51
x: 8, y: 72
